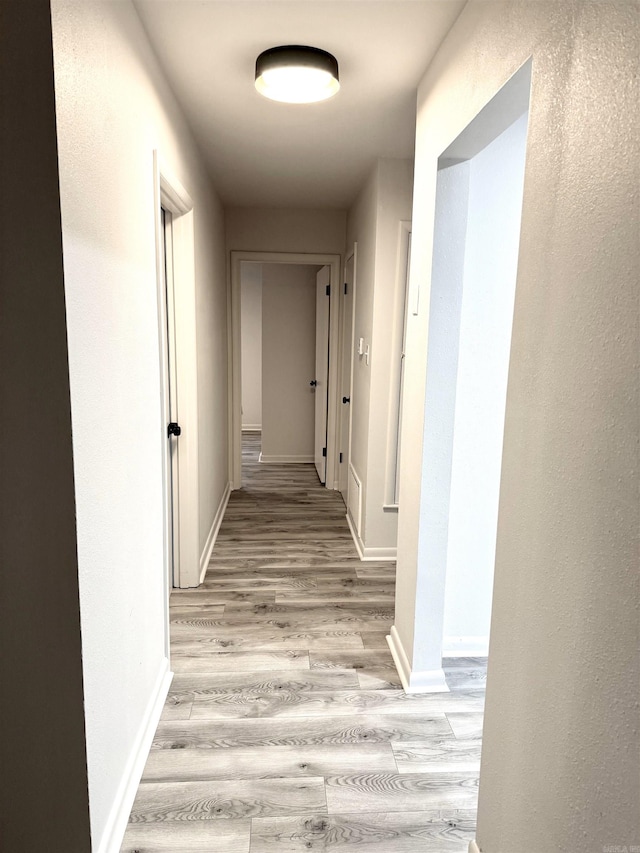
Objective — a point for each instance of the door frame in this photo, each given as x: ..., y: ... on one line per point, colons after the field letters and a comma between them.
x: 334, y: 262
x: 351, y: 254
x: 170, y: 194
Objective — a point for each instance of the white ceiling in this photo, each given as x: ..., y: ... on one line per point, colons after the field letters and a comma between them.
x: 265, y: 154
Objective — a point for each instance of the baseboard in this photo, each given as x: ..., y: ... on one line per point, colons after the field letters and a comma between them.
x: 213, y: 533
x: 116, y: 825
x: 365, y: 553
x: 427, y: 681
x: 252, y: 428
x: 286, y: 459
x: 465, y: 647
x: 473, y: 847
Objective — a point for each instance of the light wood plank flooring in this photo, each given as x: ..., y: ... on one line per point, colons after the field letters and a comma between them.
x: 286, y: 728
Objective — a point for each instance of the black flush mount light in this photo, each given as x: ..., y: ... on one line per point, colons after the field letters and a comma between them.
x: 297, y: 74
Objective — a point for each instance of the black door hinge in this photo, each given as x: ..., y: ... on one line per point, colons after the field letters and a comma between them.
x: 324, y: 451
x: 345, y: 288
x: 328, y: 290
x: 341, y: 458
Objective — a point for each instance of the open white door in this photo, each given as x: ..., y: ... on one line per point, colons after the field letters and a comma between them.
x: 346, y: 374
x: 321, y: 380
x: 171, y: 402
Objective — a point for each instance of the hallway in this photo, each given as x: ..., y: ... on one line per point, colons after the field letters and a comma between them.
x: 286, y: 728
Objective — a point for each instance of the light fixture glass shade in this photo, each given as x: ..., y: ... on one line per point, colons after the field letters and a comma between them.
x: 297, y: 74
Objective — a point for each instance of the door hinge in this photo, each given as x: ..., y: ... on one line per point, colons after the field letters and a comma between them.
x: 341, y: 458
x: 324, y: 451
x: 328, y: 290
x: 345, y: 288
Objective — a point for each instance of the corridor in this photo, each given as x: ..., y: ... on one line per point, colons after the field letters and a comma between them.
x: 286, y: 728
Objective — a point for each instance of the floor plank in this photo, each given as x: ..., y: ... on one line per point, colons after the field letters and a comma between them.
x: 175, y: 765
x: 392, y: 832
x: 438, y: 755
x: 299, y: 731
x: 195, y: 836
x: 327, y: 704
x: 224, y: 799
x: 371, y: 792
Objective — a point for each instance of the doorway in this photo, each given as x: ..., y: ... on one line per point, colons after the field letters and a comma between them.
x: 178, y: 378
x: 173, y: 427
x: 347, y: 319
x: 478, y: 208
x: 284, y: 330
x: 284, y: 357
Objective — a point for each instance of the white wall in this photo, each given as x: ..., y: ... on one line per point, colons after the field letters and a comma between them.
x: 288, y: 362
x: 285, y: 230
x: 559, y: 766
x: 374, y: 223
x: 251, y: 337
x: 490, y: 268
x: 452, y: 208
x: 114, y: 108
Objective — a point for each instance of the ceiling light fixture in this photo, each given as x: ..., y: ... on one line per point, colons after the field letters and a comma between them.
x: 297, y: 74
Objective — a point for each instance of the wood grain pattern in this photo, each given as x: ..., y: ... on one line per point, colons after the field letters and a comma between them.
x: 235, y: 661
x: 286, y: 728
x: 224, y: 799
x: 196, y: 836
x: 301, y: 731
x: 372, y: 792
x: 438, y: 755
x: 426, y: 831
x: 164, y: 765
x: 189, y: 685
x: 328, y: 703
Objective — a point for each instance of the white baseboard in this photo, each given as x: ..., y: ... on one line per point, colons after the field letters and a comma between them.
x: 365, y: 553
x: 213, y: 533
x: 473, y: 847
x: 286, y: 459
x: 465, y: 647
x: 118, y: 819
x: 251, y: 427
x: 427, y: 681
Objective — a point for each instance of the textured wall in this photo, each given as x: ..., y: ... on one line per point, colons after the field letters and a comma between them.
x: 43, y: 776
x: 560, y: 759
x: 113, y: 109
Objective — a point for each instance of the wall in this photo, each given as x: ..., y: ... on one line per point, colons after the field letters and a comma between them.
x: 559, y: 765
x: 447, y: 282
x: 288, y: 362
x: 490, y: 268
x: 285, y: 230
x: 374, y: 223
x: 251, y: 336
x: 42, y: 753
x: 113, y: 109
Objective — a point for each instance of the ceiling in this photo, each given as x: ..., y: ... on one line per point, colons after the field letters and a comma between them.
x: 261, y: 153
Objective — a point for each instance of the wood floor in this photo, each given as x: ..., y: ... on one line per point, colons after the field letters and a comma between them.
x: 286, y: 729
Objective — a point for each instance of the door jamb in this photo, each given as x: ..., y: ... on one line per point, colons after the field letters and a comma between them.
x: 235, y: 366
x: 351, y: 253
x: 170, y: 194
